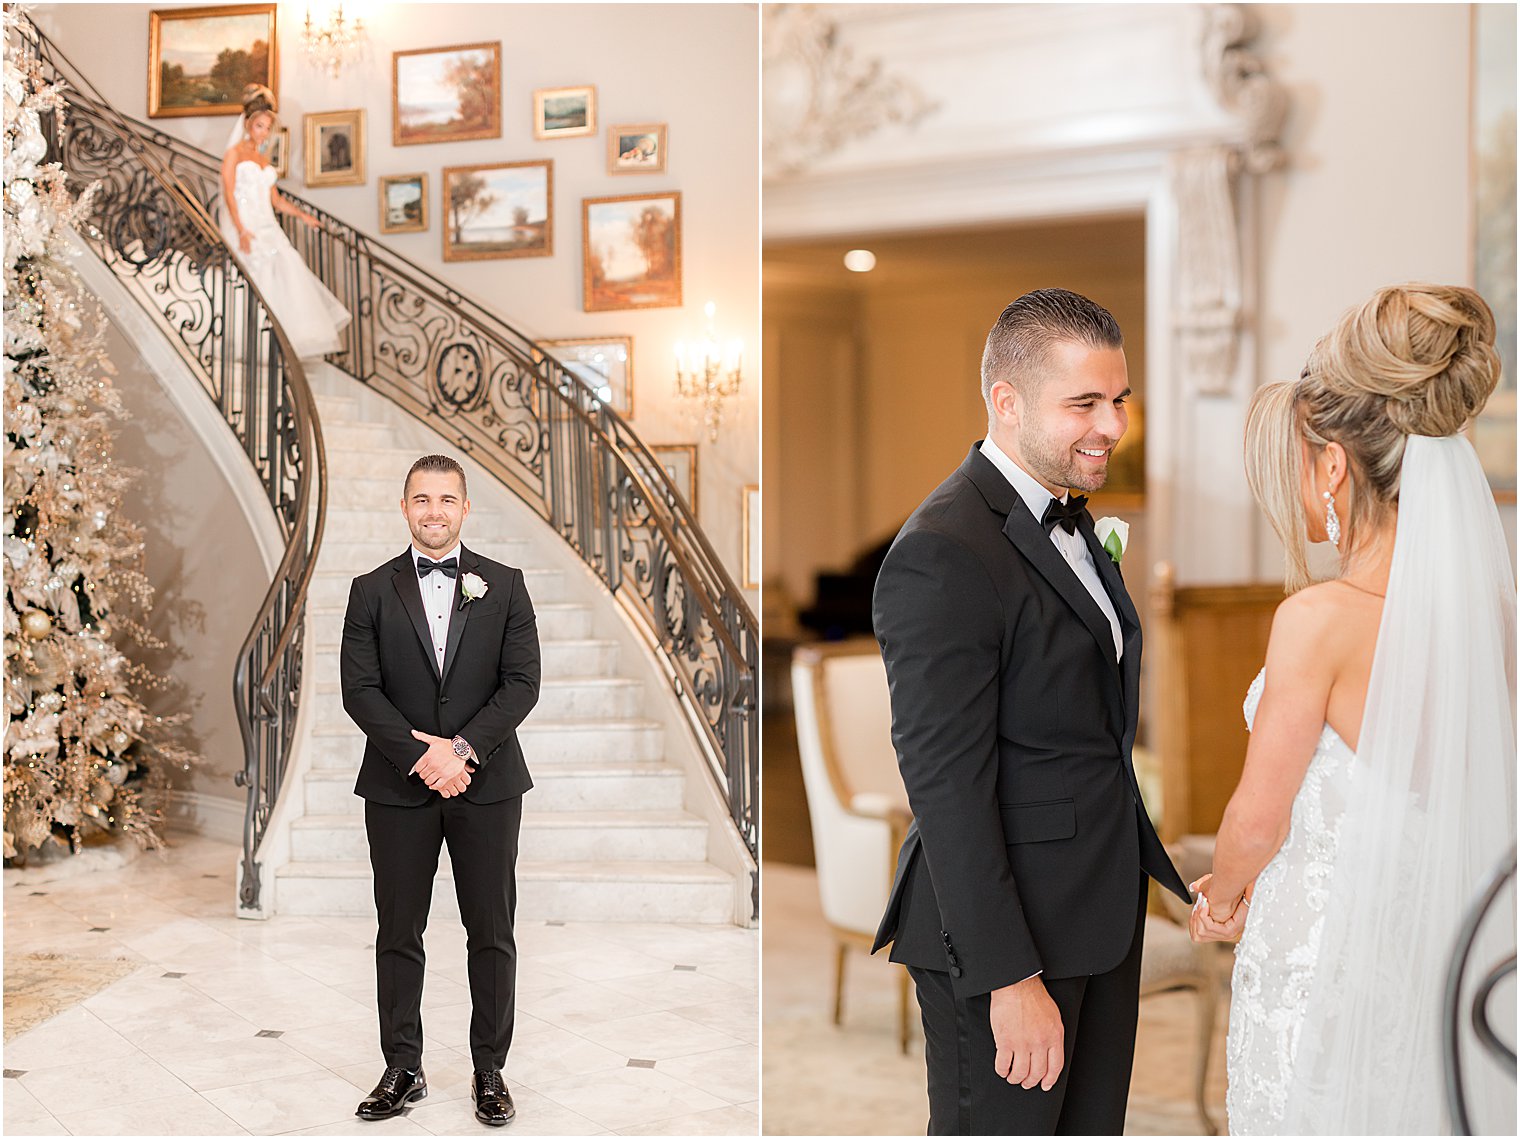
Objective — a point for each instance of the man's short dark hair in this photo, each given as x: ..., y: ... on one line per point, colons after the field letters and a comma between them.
x: 1018, y: 347
x: 440, y: 463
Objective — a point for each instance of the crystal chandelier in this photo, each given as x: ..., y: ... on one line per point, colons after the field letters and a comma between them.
x: 708, y: 373
x: 333, y: 41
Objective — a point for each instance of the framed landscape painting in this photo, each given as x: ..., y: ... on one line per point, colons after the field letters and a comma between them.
x: 631, y: 251
x: 604, y: 362
x: 497, y: 210
x: 200, y: 59
x: 446, y: 94
x: 279, y: 151
x: 564, y: 112
x: 335, y: 148
x: 403, y: 203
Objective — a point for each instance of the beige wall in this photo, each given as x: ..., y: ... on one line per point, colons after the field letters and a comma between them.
x: 205, y: 568
x: 876, y: 384
x: 694, y: 66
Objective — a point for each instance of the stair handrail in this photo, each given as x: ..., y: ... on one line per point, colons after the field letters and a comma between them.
x: 294, y: 452
x: 349, y: 260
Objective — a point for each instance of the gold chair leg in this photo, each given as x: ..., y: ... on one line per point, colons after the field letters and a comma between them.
x: 840, y: 949
x: 902, y: 1009
x: 1208, y: 1007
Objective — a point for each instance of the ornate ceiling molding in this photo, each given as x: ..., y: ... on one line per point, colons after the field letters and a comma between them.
x: 818, y: 96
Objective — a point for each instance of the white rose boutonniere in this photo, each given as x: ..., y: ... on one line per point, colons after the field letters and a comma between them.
x: 473, y: 586
x: 1113, y: 536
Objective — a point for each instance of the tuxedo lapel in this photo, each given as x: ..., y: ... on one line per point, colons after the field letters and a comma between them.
x: 1129, y: 620
x: 410, y: 592
x: 1029, y: 536
x: 467, y: 562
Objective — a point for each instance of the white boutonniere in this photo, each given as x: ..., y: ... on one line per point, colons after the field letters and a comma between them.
x: 1113, y: 536
x: 473, y: 586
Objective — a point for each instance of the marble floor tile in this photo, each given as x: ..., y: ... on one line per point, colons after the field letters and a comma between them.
x: 677, y: 988
x: 741, y: 971
x: 225, y: 1063
x: 43, y: 1125
x: 656, y: 1036
x: 20, y: 1106
x: 172, y: 1115
x: 581, y: 1005
x: 603, y: 963
x: 289, y: 1013
x: 339, y: 1043
x: 270, y: 1107
x: 626, y: 1097
x: 395, y: 1125
x: 536, y: 1115
x: 720, y: 1121
x: 56, y: 1043
x: 126, y: 1080
x: 731, y: 1074
x: 552, y: 1053
x: 738, y: 1018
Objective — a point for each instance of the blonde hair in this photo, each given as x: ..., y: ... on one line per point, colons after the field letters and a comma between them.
x: 1415, y: 359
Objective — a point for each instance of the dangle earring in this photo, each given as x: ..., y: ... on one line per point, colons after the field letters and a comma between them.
x: 1332, y: 521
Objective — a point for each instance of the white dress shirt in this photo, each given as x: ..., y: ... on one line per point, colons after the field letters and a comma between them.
x: 1073, y: 547
x: 437, y: 600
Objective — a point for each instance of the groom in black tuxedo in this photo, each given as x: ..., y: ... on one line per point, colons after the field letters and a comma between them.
x: 1013, y: 655
x: 440, y: 665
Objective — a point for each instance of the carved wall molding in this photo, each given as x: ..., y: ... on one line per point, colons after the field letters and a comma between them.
x: 1207, y: 317
x: 818, y: 96
x: 1240, y: 82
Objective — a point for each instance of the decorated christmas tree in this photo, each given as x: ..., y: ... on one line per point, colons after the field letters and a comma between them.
x: 82, y: 753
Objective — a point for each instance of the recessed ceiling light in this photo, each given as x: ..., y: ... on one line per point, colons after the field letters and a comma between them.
x: 860, y: 260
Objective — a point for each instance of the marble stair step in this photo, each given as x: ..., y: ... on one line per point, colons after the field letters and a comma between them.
x: 351, y: 557
x: 333, y: 579
x: 595, y: 786
x: 346, y: 433
x: 340, y: 747
x: 337, y: 407
x: 582, y: 699
x: 557, y: 620
x: 570, y: 836
x: 560, y: 657
x: 693, y: 892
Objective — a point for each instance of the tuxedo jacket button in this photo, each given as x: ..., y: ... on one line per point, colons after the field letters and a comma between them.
x: 443, y: 699
x: 957, y: 972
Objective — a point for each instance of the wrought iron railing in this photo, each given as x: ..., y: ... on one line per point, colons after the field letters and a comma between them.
x: 544, y: 434
x: 1478, y: 1005
x: 149, y: 223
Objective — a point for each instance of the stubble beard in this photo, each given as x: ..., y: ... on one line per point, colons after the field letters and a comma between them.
x: 1055, y: 465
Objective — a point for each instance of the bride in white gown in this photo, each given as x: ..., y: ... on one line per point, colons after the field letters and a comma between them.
x: 308, y: 312
x: 1378, y: 788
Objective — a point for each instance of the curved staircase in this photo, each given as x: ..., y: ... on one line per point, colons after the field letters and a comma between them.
x: 644, y: 744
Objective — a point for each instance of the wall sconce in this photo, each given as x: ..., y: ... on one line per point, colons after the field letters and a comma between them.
x: 329, y: 39
x: 708, y: 372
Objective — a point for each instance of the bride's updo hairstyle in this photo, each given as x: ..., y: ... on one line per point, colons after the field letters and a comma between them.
x: 256, y: 100
x: 1413, y: 360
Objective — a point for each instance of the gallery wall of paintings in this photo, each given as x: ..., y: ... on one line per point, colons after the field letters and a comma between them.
x: 559, y: 163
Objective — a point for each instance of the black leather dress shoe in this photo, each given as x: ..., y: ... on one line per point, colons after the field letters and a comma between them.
x: 493, y: 1103
x: 397, y: 1088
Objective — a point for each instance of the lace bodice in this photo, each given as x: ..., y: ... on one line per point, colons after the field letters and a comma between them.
x: 250, y: 190
x: 1276, y: 957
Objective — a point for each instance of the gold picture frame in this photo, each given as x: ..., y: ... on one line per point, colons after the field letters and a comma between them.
x: 421, y: 76
x: 178, y: 37
x: 604, y: 362
x: 637, y: 148
x: 524, y: 188
x: 334, y: 148
x: 622, y: 268
x: 751, y: 570
x: 279, y: 151
x: 564, y: 112
x: 403, y: 203
x: 682, y: 472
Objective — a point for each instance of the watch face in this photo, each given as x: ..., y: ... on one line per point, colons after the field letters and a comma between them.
x: 461, y: 748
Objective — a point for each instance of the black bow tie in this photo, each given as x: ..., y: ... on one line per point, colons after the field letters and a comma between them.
x: 1063, y: 514
x: 449, y: 566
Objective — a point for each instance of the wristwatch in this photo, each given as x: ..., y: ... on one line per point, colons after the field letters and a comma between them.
x: 462, y: 749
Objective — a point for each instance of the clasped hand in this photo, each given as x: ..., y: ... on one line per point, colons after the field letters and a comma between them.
x: 439, y: 767
x: 1204, y: 924
x: 1029, y: 1035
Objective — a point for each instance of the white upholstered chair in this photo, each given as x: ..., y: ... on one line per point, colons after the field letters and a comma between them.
x: 856, y: 802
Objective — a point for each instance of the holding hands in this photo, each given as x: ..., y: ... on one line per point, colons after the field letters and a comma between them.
x: 1210, y: 923
x: 439, y: 767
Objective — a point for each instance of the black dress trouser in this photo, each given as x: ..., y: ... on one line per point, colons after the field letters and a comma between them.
x: 403, y: 852
x: 1099, y: 1013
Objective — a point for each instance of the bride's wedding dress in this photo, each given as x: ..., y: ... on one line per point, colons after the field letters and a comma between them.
x: 308, y: 312
x: 1336, y: 1014
x: 1277, y: 954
